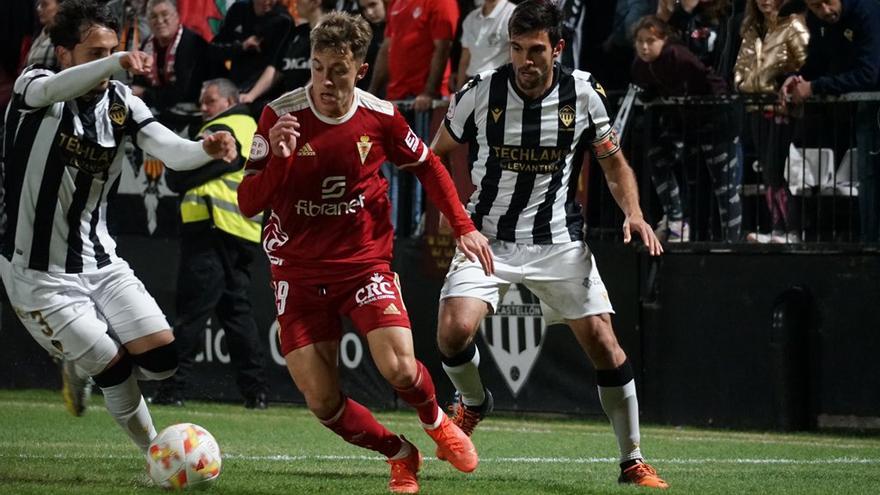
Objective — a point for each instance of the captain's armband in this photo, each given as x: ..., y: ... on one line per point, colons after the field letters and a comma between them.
x: 606, y: 145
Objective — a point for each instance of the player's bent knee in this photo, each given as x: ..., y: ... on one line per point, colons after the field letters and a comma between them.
x: 323, y: 405
x: 99, y: 357
x: 159, y: 363
x: 115, y: 374
x: 402, y: 375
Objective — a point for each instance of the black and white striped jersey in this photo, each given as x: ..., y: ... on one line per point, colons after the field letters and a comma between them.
x: 526, y: 155
x: 61, y: 162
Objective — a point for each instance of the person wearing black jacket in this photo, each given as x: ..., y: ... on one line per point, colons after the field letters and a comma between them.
x: 248, y: 40
x: 690, y: 132
x: 218, y: 247
x: 843, y: 56
x: 178, y: 63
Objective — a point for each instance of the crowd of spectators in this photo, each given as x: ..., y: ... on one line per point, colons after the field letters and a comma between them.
x: 778, y: 52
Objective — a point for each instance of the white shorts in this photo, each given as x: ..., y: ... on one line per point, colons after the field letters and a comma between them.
x: 67, y: 313
x: 563, y: 276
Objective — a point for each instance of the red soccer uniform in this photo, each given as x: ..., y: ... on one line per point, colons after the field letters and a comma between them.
x: 329, y: 233
x: 413, y: 26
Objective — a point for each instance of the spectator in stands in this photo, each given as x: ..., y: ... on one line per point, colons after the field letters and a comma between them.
x: 414, y: 57
x: 249, y: 39
x: 218, y: 247
x: 626, y: 14
x: 703, y: 27
x: 290, y: 69
x: 42, y: 51
x: 664, y: 68
x: 843, y: 56
x: 484, y: 39
x: 774, y: 44
x: 414, y: 63
x: 374, y: 12
x: 178, y: 61
x: 134, y: 27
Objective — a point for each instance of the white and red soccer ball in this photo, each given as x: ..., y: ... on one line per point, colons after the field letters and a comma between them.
x: 183, y: 455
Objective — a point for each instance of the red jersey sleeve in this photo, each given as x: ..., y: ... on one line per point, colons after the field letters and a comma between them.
x: 408, y: 151
x: 260, y: 150
x: 264, y: 173
x: 444, y: 19
x: 405, y: 147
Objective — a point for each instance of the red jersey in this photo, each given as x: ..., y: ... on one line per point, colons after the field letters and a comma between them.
x: 330, y: 211
x: 413, y: 25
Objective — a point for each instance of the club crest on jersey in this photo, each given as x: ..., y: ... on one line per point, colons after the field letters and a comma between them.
x: 496, y: 114
x: 364, y: 146
x: 118, y: 113
x: 566, y: 115
x: 515, y: 334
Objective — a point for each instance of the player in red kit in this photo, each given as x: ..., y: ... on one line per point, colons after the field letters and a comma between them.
x: 315, y: 165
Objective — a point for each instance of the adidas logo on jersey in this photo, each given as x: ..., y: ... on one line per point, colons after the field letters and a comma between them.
x: 306, y: 150
x: 391, y: 310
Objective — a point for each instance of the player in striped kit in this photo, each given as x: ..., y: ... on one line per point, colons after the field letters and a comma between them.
x: 528, y: 124
x: 62, y: 158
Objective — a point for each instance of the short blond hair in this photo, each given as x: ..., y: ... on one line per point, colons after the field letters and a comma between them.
x: 341, y: 31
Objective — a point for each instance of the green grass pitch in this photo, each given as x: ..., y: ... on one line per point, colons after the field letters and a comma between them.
x: 283, y: 450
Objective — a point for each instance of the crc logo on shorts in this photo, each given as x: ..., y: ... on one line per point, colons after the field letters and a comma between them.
x: 514, y: 335
x: 379, y: 288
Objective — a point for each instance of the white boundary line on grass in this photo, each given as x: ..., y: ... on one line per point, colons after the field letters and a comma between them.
x: 502, y: 460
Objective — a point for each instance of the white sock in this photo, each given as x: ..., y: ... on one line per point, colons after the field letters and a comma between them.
x: 405, y: 450
x: 466, y: 378
x: 622, y: 408
x: 437, y: 421
x: 128, y: 407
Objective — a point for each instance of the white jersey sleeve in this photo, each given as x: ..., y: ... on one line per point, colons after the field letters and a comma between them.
x: 41, y: 87
x: 461, y: 109
x: 602, y: 137
x: 156, y: 139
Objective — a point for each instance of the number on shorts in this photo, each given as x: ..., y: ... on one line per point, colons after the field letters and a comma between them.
x: 38, y: 318
x: 281, y: 290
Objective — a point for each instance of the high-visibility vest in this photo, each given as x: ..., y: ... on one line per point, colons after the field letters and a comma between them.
x: 217, y: 200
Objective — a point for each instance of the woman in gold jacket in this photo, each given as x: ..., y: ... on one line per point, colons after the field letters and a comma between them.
x: 774, y: 45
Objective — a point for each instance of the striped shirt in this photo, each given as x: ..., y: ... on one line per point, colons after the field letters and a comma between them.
x: 526, y: 155
x: 61, y: 162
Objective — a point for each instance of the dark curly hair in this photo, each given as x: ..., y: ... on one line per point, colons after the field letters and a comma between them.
x: 537, y: 15
x: 75, y: 18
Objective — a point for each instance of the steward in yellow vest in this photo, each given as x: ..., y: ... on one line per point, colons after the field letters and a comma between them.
x: 218, y: 245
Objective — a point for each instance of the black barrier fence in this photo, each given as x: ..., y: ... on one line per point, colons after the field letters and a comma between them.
x: 744, y: 169
x: 781, y: 340
x: 784, y: 332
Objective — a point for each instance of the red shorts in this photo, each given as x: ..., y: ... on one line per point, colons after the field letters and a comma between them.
x: 311, y: 313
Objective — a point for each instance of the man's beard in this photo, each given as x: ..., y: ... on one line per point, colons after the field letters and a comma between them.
x: 535, y: 80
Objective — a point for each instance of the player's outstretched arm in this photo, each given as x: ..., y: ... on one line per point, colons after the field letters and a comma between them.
x: 442, y: 146
x: 76, y: 81
x: 622, y: 183
x: 624, y: 189
x: 441, y: 191
x: 182, y: 154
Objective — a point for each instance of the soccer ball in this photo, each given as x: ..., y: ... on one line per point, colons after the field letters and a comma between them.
x: 183, y: 455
